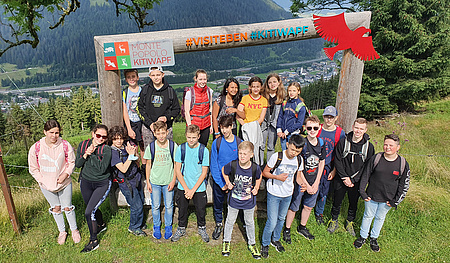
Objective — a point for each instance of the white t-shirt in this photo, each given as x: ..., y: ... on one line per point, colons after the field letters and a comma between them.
x: 279, y: 188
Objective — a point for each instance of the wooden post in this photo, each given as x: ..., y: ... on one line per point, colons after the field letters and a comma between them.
x: 8, y: 197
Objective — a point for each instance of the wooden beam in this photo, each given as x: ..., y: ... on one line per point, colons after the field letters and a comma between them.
x: 8, y: 197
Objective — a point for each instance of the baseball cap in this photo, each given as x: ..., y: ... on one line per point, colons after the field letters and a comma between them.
x: 330, y: 110
x: 150, y: 69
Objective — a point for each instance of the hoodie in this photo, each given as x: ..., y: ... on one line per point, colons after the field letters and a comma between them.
x: 154, y: 103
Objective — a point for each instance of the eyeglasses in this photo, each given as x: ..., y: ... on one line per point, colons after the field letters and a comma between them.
x: 104, y: 137
x: 316, y: 128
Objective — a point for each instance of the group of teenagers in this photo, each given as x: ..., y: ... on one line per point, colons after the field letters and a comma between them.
x: 298, y: 178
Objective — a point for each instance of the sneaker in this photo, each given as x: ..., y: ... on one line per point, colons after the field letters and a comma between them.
x: 91, y: 246
x: 101, y: 228
x: 254, y: 250
x: 62, y: 237
x: 217, y: 231
x: 332, y: 226
x: 319, y: 219
x: 374, y: 245
x: 225, y: 249
x: 305, y: 232
x: 265, y: 251
x: 359, y: 242
x: 167, y: 232
x: 144, y: 226
x: 203, y: 234
x: 157, y: 232
x: 277, y: 244
x: 287, y: 236
x: 138, y: 232
x: 76, y: 237
x: 350, y: 229
x: 181, y: 231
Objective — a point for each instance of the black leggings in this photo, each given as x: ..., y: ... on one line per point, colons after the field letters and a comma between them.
x: 204, y: 136
x: 94, y: 193
x: 339, y: 193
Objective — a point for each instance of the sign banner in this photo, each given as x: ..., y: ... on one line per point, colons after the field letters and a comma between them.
x: 142, y: 54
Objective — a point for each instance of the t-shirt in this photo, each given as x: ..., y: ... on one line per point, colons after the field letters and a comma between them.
x: 131, y: 103
x: 384, y: 180
x: 161, y: 172
x: 121, y: 156
x: 312, y: 155
x: 253, y: 108
x: 223, y: 110
x: 241, y: 197
x: 328, y: 138
x: 192, y: 170
x: 276, y: 187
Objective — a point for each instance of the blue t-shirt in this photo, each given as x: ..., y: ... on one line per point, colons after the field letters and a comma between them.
x: 192, y: 170
x: 132, y: 100
x: 241, y: 197
x: 122, y: 157
x: 312, y: 155
x: 328, y: 138
x: 227, y: 153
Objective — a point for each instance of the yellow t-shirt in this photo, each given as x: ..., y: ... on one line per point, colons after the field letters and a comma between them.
x: 253, y: 108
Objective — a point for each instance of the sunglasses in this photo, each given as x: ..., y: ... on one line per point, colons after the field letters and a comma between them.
x: 104, y: 137
x: 316, y: 128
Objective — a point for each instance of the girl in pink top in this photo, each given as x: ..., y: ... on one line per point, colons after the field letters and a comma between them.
x: 51, y: 161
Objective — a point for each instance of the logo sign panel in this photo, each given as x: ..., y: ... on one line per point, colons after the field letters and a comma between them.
x: 142, y: 54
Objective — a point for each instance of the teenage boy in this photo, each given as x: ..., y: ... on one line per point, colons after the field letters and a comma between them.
x: 330, y: 133
x: 160, y: 178
x: 242, y: 179
x: 223, y: 150
x: 313, y: 155
x: 387, y: 179
x: 281, y: 171
x: 351, y: 156
x: 157, y: 102
x: 130, y: 97
x: 191, y: 167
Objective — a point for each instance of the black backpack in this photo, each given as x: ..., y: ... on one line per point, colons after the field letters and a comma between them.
x: 232, y: 174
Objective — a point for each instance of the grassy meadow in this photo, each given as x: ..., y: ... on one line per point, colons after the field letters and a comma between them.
x: 416, y: 232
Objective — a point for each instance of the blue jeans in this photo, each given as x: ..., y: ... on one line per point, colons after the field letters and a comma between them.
x: 377, y: 210
x: 320, y: 205
x: 157, y: 190
x: 284, y: 141
x: 277, y: 208
x: 136, y: 202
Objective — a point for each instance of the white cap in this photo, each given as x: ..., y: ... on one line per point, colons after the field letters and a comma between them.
x: 155, y: 68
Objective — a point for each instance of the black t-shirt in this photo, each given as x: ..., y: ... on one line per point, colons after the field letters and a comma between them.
x: 384, y: 180
x: 312, y: 155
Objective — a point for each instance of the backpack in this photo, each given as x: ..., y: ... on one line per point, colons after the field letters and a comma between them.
x: 37, y: 149
x: 201, y: 150
x: 337, y: 135
x: 127, y: 178
x: 280, y: 158
x: 186, y: 89
x: 219, y: 140
x: 402, y: 162
x: 152, y: 150
x: 232, y: 174
x: 363, y: 152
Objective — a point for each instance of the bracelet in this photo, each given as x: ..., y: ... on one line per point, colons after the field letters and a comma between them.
x: 217, y: 133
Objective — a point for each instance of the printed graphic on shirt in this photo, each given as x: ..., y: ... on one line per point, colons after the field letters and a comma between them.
x: 290, y: 169
x: 312, y: 162
x: 132, y: 104
x: 157, y: 100
x: 242, y: 187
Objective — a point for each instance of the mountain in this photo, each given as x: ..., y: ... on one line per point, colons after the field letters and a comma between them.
x: 69, y: 49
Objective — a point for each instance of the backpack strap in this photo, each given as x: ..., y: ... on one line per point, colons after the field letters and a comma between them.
x: 298, y: 108
x: 125, y: 94
x: 337, y: 135
x: 279, y: 159
x: 402, y: 162
x: 37, y: 149
x: 183, y: 155
x: 232, y: 174
x: 201, y: 151
x: 172, y: 150
x: 364, y: 149
x: 218, y: 141
x: 254, y: 168
x: 152, y: 151
x: 377, y: 159
x: 66, y: 150
x: 320, y: 130
x: 346, y: 148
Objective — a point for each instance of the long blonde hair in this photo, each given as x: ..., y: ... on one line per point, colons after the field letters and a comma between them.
x: 281, y: 91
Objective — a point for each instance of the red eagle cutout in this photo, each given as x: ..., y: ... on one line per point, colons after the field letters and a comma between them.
x: 334, y: 29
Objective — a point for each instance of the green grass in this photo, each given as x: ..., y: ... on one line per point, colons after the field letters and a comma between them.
x: 14, y: 73
x: 416, y: 232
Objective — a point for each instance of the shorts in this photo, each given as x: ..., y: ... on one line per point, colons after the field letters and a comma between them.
x: 148, y: 136
x: 137, y: 127
x: 308, y: 199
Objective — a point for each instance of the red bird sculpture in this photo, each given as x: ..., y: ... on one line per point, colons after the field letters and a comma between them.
x: 335, y: 30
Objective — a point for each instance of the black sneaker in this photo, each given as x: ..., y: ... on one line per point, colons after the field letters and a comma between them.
x: 217, y: 231
x: 277, y: 244
x: 359, y: 242
x: 374, y: 245
x: 287, y: 236
x: 305, y: 232
x: 101, y: 228
x: 265, y: 251
x: 319, y: 219
x: 91, y: 246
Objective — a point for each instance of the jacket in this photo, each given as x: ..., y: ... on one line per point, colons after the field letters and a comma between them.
x: 97, y: 166
x: 287, y: 119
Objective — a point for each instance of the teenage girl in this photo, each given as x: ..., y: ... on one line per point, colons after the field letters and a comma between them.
x: 292, y: 114
x: 94, y: 159
x: 275, y: 93
x: 200, y: 112
x: 253, y: 105
x: 227, y: 104
x: 51, y: 161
